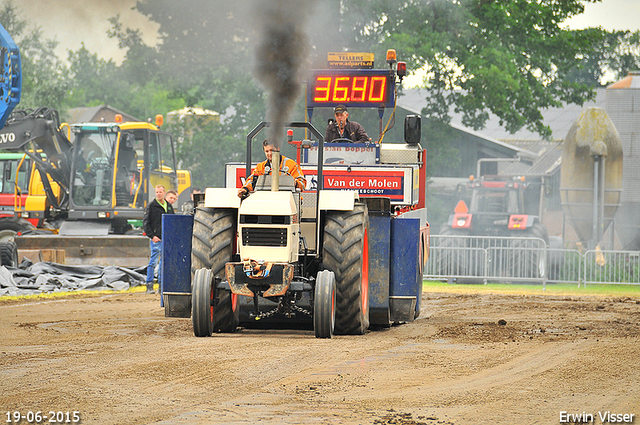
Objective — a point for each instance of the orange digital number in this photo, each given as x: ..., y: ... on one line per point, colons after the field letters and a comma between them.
x: 322, y: 90
x: 341, y: 89
x: 359, y: 89
x: 377, y: 89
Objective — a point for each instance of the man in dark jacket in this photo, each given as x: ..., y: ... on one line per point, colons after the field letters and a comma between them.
x: 153, y: 229
x: 342, y: 128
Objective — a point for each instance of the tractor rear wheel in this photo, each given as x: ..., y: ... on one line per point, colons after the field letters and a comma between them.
x: 453, y: 259
x: 528, y: 259
x: 324, y: 304
x: 346, y: 252
x: 202, y: 298
x: 212, y: 246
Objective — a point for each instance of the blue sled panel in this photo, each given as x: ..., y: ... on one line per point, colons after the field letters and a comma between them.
x: 379, y: 256
x: 176, y: 264
x: 405, y: 282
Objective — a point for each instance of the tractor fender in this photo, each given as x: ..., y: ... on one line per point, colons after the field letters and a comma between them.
x: 219, y: 197
x: 337, y: 200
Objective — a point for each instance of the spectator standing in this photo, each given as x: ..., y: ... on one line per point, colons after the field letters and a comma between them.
x: 172, y: 198
x: 153, y: 229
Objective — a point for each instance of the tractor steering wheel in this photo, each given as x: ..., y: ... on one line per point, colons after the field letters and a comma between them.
x: 342, y: 140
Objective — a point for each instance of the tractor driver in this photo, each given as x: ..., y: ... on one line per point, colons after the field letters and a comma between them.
x: 342, y: 128
x: 288, y: 166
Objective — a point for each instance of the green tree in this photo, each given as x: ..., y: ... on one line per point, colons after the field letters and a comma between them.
x: 202, y: 59
x: 610, y: 60
x: 508, y: 57
x: 93, y: 80
x: 142, y: 63
x: 619, y: 55
x: 97, y: 81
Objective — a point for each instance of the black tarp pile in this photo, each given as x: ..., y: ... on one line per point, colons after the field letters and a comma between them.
x: 45, y: 277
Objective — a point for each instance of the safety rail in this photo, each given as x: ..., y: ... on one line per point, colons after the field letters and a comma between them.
x: 614, y: 267
x: 480, y: 259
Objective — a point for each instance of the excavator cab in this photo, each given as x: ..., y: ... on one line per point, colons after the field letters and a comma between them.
x: 116, y: 167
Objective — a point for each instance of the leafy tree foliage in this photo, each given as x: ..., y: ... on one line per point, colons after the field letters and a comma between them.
x: 619, y: 54
x: 96, y: 81
x: 509, y: 57
x: 93, y: 79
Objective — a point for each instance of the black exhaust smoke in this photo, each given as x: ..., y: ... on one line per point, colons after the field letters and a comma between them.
x: 281, y: 58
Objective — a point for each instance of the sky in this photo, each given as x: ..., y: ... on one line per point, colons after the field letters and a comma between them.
x: 72, y: 22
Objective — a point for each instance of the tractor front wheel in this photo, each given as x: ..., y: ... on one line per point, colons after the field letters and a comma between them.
x: 528, y: 257
x: 324, y: 304
x: 202, y: 298
x: 213, y: 245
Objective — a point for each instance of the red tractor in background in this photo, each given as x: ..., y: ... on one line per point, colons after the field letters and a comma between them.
x: 501, y: 214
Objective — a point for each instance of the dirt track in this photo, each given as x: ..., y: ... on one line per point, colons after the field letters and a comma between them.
x: 117, y: 360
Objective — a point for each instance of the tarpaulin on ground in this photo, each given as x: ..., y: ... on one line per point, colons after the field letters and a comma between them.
x: 44, y: 277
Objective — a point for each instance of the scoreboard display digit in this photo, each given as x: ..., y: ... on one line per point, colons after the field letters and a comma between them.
x: 351, y: 87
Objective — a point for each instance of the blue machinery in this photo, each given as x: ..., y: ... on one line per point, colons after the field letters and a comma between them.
x: 11, y: 80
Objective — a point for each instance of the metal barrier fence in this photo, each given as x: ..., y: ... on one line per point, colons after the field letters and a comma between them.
x: 613, y: 267
x: 478, y: 259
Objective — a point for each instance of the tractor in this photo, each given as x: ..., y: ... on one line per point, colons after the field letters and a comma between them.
x: 331, y: 258
x: 503, y: 217
x: 344, y: 254
x: 269, y: 258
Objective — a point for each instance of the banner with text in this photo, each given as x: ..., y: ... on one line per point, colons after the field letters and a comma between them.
x: 395, y: 183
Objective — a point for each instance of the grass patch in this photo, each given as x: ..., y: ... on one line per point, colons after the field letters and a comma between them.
x: 568, y: 289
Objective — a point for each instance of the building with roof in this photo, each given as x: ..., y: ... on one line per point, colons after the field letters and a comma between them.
x: 101, y: 113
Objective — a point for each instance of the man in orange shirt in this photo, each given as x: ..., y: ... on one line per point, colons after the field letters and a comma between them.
x: 288, y: 166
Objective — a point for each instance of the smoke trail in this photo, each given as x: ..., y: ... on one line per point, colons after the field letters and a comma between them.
x: 280, y: 57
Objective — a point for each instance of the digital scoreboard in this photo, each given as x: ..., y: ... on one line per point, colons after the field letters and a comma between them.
x: 351, y: 87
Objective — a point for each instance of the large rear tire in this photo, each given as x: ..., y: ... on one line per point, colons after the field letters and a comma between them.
x: 528, y: 260
x: 212, y: 246
x: 202, y: 298
x: 453, y: 258
x: 346, y: 252
x: 324, y: 304
x: 8, y: 254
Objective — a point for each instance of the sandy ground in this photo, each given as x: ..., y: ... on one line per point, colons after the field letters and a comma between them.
x: 469, y: 359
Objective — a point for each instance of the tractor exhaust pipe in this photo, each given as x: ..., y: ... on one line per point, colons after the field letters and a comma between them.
x: 275, y: 171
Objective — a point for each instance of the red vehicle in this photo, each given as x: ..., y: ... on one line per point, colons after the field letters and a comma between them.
x: 495, y: 210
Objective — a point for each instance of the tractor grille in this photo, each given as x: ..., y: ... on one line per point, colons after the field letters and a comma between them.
x: 260, y: 236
